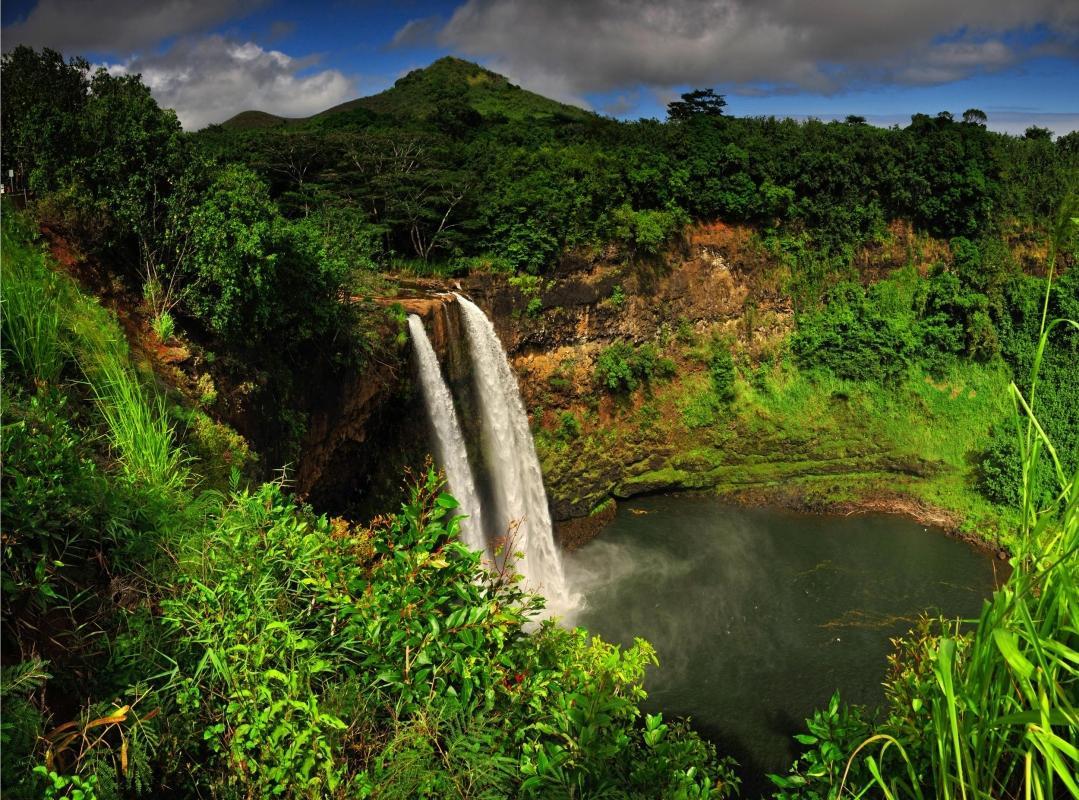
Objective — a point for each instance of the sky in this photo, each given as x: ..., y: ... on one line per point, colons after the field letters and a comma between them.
x: 1016, y: 60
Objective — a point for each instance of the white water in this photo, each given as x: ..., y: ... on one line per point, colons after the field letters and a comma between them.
x: 449, y: 443
x: 512, y: 462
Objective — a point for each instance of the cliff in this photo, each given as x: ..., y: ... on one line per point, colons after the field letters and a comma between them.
x: 782, y: 440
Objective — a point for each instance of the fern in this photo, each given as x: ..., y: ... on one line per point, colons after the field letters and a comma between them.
x: 21, y: 724
x: 22, y: 678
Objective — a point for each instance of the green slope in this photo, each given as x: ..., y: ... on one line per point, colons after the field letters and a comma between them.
x: 426, y: 93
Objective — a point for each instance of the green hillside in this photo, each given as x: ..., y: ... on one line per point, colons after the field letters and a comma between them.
x: 250, y: 120
x: 428, y: 92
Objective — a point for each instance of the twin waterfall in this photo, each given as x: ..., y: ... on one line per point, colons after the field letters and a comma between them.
x: 517, y: 502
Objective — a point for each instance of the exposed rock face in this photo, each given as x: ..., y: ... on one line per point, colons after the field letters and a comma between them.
x: 439, y: 315
x: 710, y: 282
x: 356, y: 449
x: 719, y: 281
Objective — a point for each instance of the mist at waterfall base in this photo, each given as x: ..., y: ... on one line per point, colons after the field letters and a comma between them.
x: 759, y: 615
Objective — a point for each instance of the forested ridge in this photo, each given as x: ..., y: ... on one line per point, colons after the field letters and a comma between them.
x: 176, y: 624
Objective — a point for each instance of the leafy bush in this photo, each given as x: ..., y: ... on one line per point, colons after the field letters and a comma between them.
x: 286, y: 634
x: 614, y: 371
x: 569, y: 427
x: 621, y: 367
x: 852, y: 339
x: 831, y: 735
x: 530, y: 287
x: 646, y: 232
x: 232, y: 285
x: 54, y: 501
x: 721, y: 370
x: 1000, y: 475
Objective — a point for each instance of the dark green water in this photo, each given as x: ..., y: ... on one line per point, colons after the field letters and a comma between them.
x: 759, y: 615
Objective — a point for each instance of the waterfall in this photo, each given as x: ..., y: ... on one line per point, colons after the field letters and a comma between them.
x: 512, y: 462
x: 449, y: 443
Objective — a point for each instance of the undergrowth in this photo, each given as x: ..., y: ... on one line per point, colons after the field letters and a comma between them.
x: 171, y: 639
x: 979, y: 708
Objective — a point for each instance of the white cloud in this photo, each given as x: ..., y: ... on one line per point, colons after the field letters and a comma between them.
x: 117, y: 26
x: 209, y: 79
x: 569, y: 48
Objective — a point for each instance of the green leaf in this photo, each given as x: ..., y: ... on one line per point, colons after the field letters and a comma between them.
x: 446, y: 501
x: 1006, y: 643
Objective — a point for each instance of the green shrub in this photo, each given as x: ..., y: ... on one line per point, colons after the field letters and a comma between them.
x: 614, y: 371
x: 217, y: 451
x: 232, y: 285
x: 647, y: 232
x: 621, y: 367
x: 618, y: 296
x: 852, y: 339
x: 54, y: 500
x: 529, y: 287
x: 721, y: 370
x: 289, y: 625
x: 1000, y: 475
x: 569, y: 427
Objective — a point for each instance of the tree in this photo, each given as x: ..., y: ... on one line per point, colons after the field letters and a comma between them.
x: 1035, y: 133
x: 294, y: 158
x: 138, y: 164
x: 975, y: 116
x: 415, y: 188
x: 854, y: 119
x: 1069, y: 143
x: 43, y: 100
x: 699, y: 102
x: 230, y: 281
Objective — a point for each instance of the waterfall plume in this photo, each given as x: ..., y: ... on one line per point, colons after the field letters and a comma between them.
x: 449, y: 442
x: 521, y: 502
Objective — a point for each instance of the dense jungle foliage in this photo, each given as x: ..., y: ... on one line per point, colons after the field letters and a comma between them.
x: 173, y: 626
x: 164, y: 637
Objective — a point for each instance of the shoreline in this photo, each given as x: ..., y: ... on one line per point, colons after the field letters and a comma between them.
x: 577, y: 531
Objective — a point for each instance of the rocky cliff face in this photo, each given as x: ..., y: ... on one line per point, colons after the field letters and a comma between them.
x: 597, y: 300
x: 359, y: 446
x: 718, y: 282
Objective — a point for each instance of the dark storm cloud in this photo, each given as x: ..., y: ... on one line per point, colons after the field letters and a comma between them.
x: 117, y: 26
x: 568, y: 47
x: 417, y: 32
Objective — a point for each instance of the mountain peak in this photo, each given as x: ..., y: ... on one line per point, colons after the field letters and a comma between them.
x: 420, y: 93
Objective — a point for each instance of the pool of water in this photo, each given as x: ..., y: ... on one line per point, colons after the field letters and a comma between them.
x: 759, y: 615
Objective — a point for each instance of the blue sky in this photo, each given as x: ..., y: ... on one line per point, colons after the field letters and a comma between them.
x: 884, y: 60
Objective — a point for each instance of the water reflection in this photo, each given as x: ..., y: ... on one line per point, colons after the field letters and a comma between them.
x: 758, y: 616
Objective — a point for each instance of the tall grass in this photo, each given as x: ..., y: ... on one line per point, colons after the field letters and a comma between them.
x: 48, y: 322
x: 1004, y: 701
x: 137, y: 417
x: 31, y: 310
